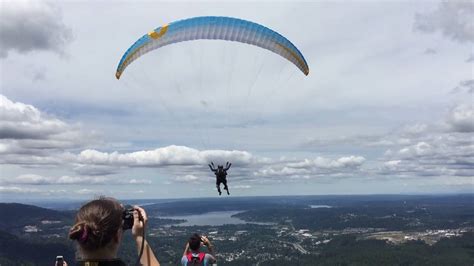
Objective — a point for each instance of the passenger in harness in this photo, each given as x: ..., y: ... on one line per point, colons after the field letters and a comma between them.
x: 221, y: 176
x: 192, y: 254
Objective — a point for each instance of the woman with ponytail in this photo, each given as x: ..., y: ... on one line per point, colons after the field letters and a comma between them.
x: 98, y: 230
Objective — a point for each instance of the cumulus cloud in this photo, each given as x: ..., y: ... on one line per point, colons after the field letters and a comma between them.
x: 416, y: 129
x: 461, y: 181
x: 23, y: 121
x: 414, y: 138
x: 29, y: 136
x: 442, y: 148
x: 453, y: 19
x: 192, y: 163
x: 86, y: 191
x: 355, y: 140
x: 242, y: 187
x: 446, y: 154
x: 27, y: 26
x: 32, y: 179
x: 309, y: 168
x: 418, y: 149
x: 392, y: 165
x: 189, y: 179
x: 399, y: 136
x: 464, y: 86
x: 139, y: 181
x: 95, y: 170
x: 17, y: 190
x: 282, y: 171
x: 166, y: 156
x: 461, y: 118
x: 321, y: 162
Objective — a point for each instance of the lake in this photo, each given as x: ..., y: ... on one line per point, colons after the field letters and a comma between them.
x: 319, y: 206
x: 210, y: 218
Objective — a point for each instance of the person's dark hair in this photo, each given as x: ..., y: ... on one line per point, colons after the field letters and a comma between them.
x: 97, y: 222
x: 195, y: 242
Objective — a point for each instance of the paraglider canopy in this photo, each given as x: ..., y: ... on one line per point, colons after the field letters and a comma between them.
x: 213, y: 28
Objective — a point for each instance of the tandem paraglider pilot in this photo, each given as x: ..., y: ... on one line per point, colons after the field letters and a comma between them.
x: 221, y: 175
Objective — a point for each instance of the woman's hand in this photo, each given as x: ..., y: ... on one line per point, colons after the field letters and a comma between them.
x: 139, y: 221
x: 64, y: 263
x: 205, y: 241
x: 138, y: 231
x: 208, y: 244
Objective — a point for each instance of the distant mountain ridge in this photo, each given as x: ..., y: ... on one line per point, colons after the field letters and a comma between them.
x: 12, y: 251
x: 17, y: 215
x: 29, y: 235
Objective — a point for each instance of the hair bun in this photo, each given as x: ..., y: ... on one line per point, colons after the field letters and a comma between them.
x: 76, y: 232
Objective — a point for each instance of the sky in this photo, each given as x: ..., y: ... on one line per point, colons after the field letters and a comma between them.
x: 387, y: 107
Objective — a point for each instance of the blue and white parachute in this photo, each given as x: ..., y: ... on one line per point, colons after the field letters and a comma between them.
x: 213, y: 28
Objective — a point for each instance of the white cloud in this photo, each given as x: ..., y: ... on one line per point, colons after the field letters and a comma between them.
x: 242, y: 187
x: 16, y: 190
x: 440, y: 148
x: 166, y: 156
x: 84, y: 169
x: 281, y: 171
x: 309, y: 168
x: 392, y: 164
x: 195, y: 178
x: 460, y: 181
x: 31, y: 137
x: 27, y: 26
x: 32, y: 179
x: 419, y: 149
x: 85, y: 191
x: 444, y: 154
x: 187, y: 179
x: 139, y: 181
x: 452, y: 18
x: 461, y: 118
x: 23, y: 121
x: 320, y: 162
x: 27, y: 179
x: 414, y: 130
x: 69, y: 180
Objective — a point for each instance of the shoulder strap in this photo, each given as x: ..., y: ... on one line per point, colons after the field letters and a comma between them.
x: 201, y: 256
x: 189, y: 256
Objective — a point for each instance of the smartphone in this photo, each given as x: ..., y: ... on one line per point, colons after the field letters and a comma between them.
x: 59, y: 261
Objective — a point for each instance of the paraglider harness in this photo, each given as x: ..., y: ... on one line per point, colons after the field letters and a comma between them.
x: 195, y: 259
x: 221, y: 175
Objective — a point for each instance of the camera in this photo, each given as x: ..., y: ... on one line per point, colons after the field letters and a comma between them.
x: 127, y: 217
